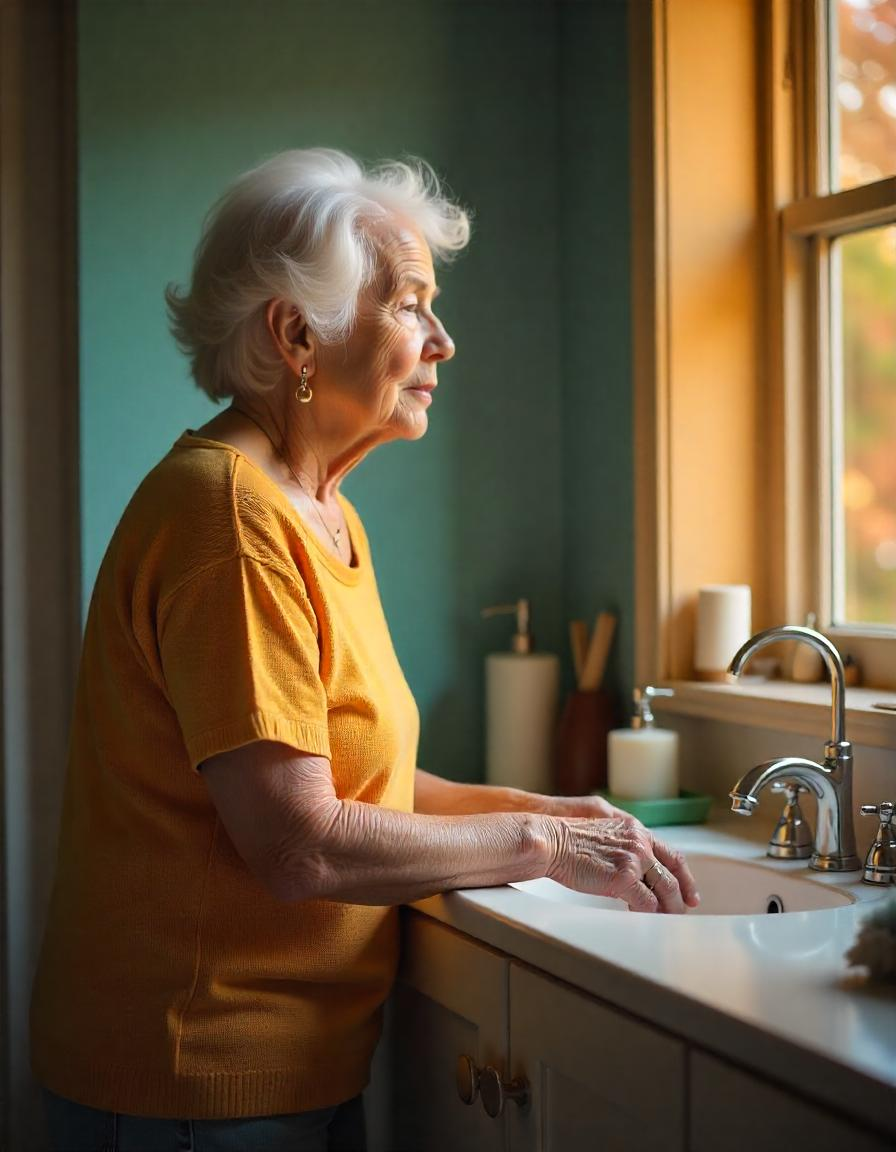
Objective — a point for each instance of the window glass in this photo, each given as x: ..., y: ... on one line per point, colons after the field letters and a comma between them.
x: 863, y: 329
x: 863, y: 91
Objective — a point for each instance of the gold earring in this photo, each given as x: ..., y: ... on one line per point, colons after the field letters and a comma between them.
x: 303, y: 391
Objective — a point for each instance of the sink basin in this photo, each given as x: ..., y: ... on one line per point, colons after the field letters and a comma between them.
x: 727, y: 888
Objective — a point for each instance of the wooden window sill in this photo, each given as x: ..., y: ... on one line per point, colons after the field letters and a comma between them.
x: 785, y: 706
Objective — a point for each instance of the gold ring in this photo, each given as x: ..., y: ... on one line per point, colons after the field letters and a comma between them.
x: 660, y: 873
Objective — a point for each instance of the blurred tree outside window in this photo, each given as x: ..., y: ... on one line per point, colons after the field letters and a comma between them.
x: 863, y: 91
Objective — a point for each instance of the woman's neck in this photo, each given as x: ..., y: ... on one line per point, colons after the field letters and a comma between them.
x: 314, y: 463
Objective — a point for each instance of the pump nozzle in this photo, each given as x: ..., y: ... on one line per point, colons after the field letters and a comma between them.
x: 523, y: 640
x: 642, y: 714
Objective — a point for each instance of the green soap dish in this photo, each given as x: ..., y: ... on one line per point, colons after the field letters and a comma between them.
x: 685, y: 808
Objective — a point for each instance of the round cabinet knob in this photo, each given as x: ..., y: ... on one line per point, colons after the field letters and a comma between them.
x: 494, y: 1091
x: 468, y: 1077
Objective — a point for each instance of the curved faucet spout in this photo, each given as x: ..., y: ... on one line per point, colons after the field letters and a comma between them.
x: 828, y: 652
x: 816, y: 777
x: 833, y: 835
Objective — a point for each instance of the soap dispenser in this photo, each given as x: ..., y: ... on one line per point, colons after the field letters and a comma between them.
x: 521, y: 688
x: 642, y: 760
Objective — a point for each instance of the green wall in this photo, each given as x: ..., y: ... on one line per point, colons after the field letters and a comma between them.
x: 523, y: 484
x: 595, y: 293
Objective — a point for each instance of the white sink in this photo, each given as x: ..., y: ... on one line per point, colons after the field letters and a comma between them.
x: 727, y: 888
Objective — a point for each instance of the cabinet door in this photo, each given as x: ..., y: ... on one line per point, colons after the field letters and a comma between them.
x: 739, y: 1112
x: 450, y: 1001
x: 598, y: 1079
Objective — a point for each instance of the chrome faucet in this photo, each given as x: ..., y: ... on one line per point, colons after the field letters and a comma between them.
x: 830, y: 781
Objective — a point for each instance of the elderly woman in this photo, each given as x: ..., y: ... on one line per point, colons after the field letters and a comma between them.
x: 243, y: 811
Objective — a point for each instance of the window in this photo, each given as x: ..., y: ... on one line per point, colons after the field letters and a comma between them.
x: 846, y: 227
x: 764, y: 315
x: 861, y: 107
x: 863, y: 428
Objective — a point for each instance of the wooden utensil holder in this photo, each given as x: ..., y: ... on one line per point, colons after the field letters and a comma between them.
x: 580, y: 763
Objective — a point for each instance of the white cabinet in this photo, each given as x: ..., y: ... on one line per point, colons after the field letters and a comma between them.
x: 450, y: 1002
x: 585, y: 1065
x: 599, y: 1079
x: 739, y: 1112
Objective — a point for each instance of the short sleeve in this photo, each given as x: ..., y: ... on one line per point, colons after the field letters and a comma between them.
x: 241, y: 660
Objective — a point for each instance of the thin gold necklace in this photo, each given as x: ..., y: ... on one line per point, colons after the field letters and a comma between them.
x: 338, y: 534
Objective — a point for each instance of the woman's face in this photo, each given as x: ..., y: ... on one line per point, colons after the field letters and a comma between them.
x: 380, y: 382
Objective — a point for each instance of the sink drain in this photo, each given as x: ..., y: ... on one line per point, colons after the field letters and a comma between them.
x: 774, y: 904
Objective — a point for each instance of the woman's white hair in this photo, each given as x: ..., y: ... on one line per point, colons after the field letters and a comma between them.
x: 296, y: 227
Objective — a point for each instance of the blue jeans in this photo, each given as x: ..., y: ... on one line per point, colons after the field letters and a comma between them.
x: 77, y: 1128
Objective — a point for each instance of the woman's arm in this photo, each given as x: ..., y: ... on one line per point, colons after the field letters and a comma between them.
x: 302, y: 842
x: 437, y: 796
x: 281, y: 811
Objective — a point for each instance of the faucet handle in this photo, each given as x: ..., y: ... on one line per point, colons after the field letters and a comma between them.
x: 792, y: 787
x: 880, y: 863
x: 792, y: 838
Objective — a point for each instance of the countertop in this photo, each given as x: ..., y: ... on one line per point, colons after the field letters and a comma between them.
x: 771, y: 992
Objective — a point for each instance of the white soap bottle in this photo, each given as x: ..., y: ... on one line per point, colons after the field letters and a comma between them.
x: 521, y: 693
x: 642, y: 761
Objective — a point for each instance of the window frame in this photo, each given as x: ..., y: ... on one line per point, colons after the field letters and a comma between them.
x: 810, y: 222
x: 765, y: 212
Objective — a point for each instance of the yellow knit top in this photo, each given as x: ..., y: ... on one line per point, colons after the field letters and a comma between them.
x: 170, y: 982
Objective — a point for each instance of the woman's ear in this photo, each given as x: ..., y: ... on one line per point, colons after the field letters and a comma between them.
x: 290, y: 334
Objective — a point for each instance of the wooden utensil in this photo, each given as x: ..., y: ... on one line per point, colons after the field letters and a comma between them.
x: 598, y: 651
x: 578, y: 639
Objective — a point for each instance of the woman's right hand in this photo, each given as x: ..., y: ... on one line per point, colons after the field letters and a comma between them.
x: 612, y: 857
x: 280, y: 810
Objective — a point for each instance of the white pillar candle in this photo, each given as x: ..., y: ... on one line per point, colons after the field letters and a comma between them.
x: 642, y: 763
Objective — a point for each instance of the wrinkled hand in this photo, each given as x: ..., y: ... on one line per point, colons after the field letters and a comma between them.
x: 609, y: 857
